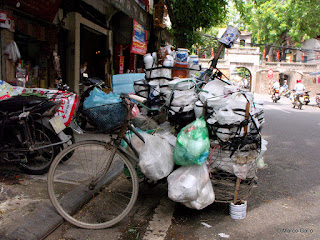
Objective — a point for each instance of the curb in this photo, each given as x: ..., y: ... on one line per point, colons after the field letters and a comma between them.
x: 36, y: 225
x: 39, y: 224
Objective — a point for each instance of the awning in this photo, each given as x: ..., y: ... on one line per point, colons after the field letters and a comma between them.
x: 315, y: 73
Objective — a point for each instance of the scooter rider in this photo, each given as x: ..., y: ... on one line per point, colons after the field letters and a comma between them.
x: 285, y: 85
x: 284, y: 89
x: 275, y: 86
x: 298, y: 88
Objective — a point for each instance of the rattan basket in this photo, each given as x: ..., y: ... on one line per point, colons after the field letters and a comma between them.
x: 107, y: 117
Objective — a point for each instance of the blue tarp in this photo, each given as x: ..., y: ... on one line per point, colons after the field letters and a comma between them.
x: 123, y: 83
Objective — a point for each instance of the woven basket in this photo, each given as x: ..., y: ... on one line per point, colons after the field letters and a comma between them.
x: 107, y: 117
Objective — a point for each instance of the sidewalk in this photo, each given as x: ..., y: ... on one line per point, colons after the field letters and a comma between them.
x: 26, y: 212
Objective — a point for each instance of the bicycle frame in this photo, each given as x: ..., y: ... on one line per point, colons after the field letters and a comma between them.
x: 117, y: 146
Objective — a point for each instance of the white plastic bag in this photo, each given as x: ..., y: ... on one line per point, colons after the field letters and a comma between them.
x: 205, y: 198
x: 186, y: 183
x: 184, y: 98
x: 13, y: 51
x: 227, y: 116
x: 156, y: 157
x: 181, y: 84
x: 215, y: 88
x: 241, y: 170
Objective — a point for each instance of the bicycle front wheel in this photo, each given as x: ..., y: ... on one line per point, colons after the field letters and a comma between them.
x: 92, y: 190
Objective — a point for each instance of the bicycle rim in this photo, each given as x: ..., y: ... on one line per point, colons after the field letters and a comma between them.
x: 38, y: 161
x: 69, y: 185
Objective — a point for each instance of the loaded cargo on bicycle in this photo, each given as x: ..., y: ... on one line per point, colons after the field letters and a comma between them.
x: 197, y: 132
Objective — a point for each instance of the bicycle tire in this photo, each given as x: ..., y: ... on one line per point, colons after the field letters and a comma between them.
x: 38, y: 161
x: 85, y: 207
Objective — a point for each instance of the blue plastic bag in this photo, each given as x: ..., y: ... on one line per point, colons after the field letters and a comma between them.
x: 98, y: 98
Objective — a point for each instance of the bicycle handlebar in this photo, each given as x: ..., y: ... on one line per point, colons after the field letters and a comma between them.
x: 137, y: 98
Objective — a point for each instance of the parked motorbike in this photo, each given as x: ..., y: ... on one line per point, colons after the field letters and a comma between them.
x: 89, y: 84
x: 297, y: 100
x: 29, y: 134
x: 318, y: 99
x: 275, y: 96
x: 306, y: 97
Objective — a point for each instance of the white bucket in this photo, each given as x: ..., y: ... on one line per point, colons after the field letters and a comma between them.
x: 238, y: 211
x: 229, y: 36
x: 198, y: 109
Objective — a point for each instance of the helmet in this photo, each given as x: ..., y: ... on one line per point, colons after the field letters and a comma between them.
x: 298, y: 80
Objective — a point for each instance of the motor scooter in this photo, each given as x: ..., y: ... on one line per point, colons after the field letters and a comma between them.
x: 30, y: 135
x: 275, y: 96
x: 297, y: 100
x: 318, y: 99
x: 88, y: 84
x: 306, y: 98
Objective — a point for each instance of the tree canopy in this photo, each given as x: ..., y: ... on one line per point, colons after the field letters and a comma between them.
x: 187, y: 16
x: 280, y: 21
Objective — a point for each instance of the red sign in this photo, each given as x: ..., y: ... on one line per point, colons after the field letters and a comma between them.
x: 270, y: 73
x: 139, y: 39
x: 121, y: 64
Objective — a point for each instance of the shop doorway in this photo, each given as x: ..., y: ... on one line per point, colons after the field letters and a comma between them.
x: 34, y: 62
x: 93, y: 51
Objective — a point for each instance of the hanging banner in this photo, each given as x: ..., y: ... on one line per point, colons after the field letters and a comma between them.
x: 139, y: 39
x: 121, y: 64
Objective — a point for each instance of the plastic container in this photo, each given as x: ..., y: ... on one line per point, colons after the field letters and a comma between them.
x: 168, y: 62
x: 193, y: 63
x: 180, y: 73
x: 229, y: 36
x: 238, y: 211
x: 198, y: 109
x: 148, y: 61
x: 182, y: 56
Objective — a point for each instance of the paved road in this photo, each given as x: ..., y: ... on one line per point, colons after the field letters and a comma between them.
x: 284, y: 206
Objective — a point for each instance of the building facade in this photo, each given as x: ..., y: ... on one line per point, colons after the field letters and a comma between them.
x: 91, y: 35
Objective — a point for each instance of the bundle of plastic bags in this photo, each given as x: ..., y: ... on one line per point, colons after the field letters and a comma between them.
x: 98, y: 98
x: 192, y: 146
x: 191, y: 186
x: 156, y: 157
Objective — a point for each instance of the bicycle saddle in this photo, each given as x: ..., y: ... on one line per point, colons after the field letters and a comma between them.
x: 17, y: 103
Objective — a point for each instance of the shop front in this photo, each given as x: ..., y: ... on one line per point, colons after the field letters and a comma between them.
x: 130, y: 37
x: 35, y: 37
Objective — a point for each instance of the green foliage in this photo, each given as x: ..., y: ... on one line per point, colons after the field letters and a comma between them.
x: 207, y: 41
x: 243, y: 72
x: 280, y: 21
x: 188, y: 16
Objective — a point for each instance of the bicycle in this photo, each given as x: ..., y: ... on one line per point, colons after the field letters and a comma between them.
x: 98, y: 186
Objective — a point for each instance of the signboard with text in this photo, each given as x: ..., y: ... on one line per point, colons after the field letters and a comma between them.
x: 139, y: 39
x: 270, y: 73
x: 121, y: 64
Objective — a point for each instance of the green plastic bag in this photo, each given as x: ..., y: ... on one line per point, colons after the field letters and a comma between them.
x: 193, y: 144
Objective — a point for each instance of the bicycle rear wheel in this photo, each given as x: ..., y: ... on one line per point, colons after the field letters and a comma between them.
x: 78, y: 200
